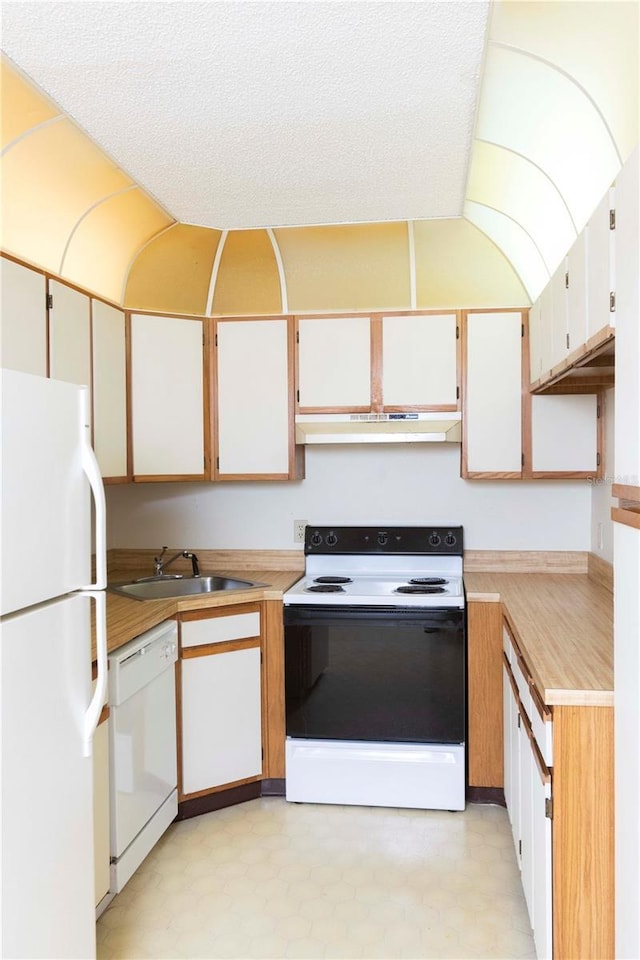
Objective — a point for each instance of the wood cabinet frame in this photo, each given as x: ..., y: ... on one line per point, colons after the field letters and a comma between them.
x: 526, y: 472
x: 377, y: 404
x: 296, y: 455
x: 628, y: 509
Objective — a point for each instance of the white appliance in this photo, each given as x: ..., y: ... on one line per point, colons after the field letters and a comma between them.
x: 375, y: 661
x: 48, y: 710
x: 142, y: 747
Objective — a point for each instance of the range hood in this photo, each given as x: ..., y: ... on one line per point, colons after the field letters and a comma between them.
x: 378, y: 428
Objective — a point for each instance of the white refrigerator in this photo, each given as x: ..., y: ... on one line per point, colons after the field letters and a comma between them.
x: 49, y: 706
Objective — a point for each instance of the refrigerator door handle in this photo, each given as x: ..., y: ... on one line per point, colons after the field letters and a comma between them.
x: 92, y: 472
x: 93, y: 711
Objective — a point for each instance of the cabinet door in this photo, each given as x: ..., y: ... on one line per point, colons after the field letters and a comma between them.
x: 564, y: 434
x: 419, y: 366
x: 253, y: 409
x: 542, y: 921
x: 559, y: 328
x: 167, y: 398
x: 23, y: 319
x: 507, y: 733
x: 627, y: 395
x: 577, y: 293
x: 101, y: 810
x: 334, y: 364
x: 492, y: 420
x: 600, y: 266
x: 221, y: 719
x: 526, y: 819
x: 69, y: 334
x: 109, y: 389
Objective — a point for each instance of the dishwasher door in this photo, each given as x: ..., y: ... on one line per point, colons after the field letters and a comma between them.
x: 142, y: 747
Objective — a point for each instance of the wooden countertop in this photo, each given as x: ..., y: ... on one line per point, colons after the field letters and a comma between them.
x: 128, y: 618
x: 563, y: 624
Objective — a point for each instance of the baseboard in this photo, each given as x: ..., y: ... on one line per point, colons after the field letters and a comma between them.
x: 218, y: 800
x: 601, y: 571
x: 274, y: 787
x: 486, y: 795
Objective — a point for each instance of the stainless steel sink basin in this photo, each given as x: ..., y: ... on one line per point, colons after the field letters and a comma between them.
x: 163, y: 588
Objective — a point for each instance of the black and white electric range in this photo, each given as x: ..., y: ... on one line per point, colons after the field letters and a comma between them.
x: 375, y: 664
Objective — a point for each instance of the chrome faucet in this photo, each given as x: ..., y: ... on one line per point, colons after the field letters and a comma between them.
x: 161, y: 564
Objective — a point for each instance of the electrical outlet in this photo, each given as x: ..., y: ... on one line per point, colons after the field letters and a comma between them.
x: 298, y: 530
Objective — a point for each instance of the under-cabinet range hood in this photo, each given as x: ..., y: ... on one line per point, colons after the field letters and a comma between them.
x: 378, y: 428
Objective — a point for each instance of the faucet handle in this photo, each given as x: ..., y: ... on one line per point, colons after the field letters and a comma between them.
x: 158, y: 560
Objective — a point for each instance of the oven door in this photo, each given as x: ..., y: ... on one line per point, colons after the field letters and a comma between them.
x: 382, y: 674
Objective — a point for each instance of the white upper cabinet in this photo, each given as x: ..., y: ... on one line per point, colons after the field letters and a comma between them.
x: 627, y: 390
x: 167, y: 397
x: 540, y: 321
x: 564, y: 434
x: 559, y: 327
x: 577, y: 293
x: 334, y: 363
x: 600, y: 266
x: 69, y: 334
x: 492, y: 416
x: 23, y: 319
x: 109, y: 389
x: 419, y: 361
x: 254, y: 398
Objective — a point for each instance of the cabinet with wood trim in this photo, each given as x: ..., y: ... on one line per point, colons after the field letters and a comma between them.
x: 575, y: 313
x: 109, y: 359
x: 168, y: 393
x: 23, y: 318
x: 559, y: 793
x: 253, y: 400
x: 220, y: 722
x: 509, y: 434
x: 377, y: 363
x: 484, y: 686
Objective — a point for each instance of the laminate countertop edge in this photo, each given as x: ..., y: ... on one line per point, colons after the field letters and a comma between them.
x: 563, y: 625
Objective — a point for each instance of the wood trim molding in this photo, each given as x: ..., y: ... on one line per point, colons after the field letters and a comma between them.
x: 376, y: 361
x: 577, y: 359
x: 223, y: 646
x: 600, y: 571
x: 168, y: 477
x: 629, y: 516
x: 218, y: 789
x: 583, y: 832
x: 626, y: 491
x: 274, y: 733
x: 485, y: 694
x: 526, y: 561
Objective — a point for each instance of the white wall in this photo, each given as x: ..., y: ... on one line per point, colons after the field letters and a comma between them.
x: 371, y: 484
x: 601, y: 499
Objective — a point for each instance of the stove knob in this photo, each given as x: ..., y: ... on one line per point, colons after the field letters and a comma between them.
x: 434, y: 539
x: 316, y: 539
x: 331, y: 539
x: 450, y: 540
x: 382, y: 539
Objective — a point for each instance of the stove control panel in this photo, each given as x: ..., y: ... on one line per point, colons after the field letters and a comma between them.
x: 434, y: 541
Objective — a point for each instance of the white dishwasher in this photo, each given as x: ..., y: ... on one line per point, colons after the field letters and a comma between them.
x: 142, y: 747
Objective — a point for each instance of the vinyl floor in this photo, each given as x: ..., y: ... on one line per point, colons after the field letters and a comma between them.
x: 271, y: 879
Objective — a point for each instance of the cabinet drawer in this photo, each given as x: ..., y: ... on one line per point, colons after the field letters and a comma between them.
x: 542, y: 727
x: 238, y: 626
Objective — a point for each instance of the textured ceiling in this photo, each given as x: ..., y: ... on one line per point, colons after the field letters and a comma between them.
x: 252, y: 114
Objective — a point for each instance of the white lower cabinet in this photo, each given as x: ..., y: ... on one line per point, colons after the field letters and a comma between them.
x: 221, y: 701
x: 528, y: 798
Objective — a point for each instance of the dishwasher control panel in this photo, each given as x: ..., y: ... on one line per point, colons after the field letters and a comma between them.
x: 138, y: 662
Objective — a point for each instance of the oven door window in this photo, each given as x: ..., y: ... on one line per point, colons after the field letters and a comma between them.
x: 375, y: 674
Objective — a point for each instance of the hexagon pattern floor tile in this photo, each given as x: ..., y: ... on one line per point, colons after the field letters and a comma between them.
x: 269, y: 879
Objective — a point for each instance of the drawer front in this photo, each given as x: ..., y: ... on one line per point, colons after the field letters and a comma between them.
x: 238, y: 626
x: 543, y: 733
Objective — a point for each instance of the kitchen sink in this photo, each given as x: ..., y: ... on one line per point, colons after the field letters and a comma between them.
x: 163, y: 588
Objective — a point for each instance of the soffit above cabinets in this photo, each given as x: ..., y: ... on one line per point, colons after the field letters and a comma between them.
x: 238, y: 115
